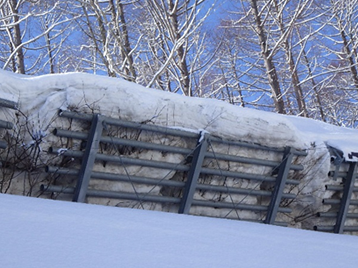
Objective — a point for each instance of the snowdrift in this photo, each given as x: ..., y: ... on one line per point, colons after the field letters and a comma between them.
x: 41, y: 97
x: 44, y: 233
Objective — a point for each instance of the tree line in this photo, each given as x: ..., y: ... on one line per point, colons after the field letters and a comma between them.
x: 291, y: 57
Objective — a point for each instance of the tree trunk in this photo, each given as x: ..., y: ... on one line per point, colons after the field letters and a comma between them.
x: 269, y: 64
x: 17, y: 41
x: 349, y: 55
x: 183, y: 66
x: 49, y: 51
x: 103, y: 33
x: 293, y: 70
x: 123, y: 37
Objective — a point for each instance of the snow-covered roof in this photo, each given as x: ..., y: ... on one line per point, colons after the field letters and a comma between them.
x: 40, y: 98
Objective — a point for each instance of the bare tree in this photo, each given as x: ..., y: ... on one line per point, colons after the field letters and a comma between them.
x: 106, y: 27
x: 294, y: 57
x: 286, y: 28
x: 178, y: 24
x: 26, y: 28
x: 11, y: 24
x: 267, y: 56
x: 340, y: 41
x: 345, y: 14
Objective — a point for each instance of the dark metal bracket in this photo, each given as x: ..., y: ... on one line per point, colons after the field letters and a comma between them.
x: 89, y: 158
x: 283, y: 171
x: 193, y: 175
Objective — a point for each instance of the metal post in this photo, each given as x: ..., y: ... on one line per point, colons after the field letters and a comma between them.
x: 193, y: 175
x: 88, y: 159
x: 346, y: 197
x: 8, y: 104
x: 279, y: 186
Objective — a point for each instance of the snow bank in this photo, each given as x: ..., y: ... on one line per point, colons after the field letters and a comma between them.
x: 45, y: 233
x: 41, y: 97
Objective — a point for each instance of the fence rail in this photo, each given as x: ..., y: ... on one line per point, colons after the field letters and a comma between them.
x: 195, y: 167
x: 5, y: 124
x: 340, y: 212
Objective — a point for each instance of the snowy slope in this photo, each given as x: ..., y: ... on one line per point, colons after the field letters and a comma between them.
x: 45, y: 233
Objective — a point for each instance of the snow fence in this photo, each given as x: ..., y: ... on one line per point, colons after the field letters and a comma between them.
x: 45, y: 140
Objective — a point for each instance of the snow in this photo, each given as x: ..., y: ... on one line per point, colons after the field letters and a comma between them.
x: 343, y: 139
x: 40, y: 98
x: 46, y: 233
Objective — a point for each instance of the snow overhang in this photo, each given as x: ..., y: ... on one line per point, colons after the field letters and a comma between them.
x: 340, y: 155
x: 353, y: 156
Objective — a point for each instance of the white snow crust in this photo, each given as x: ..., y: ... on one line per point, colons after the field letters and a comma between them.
x: 46, y: 233
x: 41, y: 97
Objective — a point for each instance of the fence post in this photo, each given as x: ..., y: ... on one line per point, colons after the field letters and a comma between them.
x: 193, y: 174
x: 346, y: 197
x: 88, y: 159
x: 283, y: 171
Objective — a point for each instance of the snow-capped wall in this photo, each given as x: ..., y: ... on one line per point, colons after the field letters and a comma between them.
x: 41, y: 97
